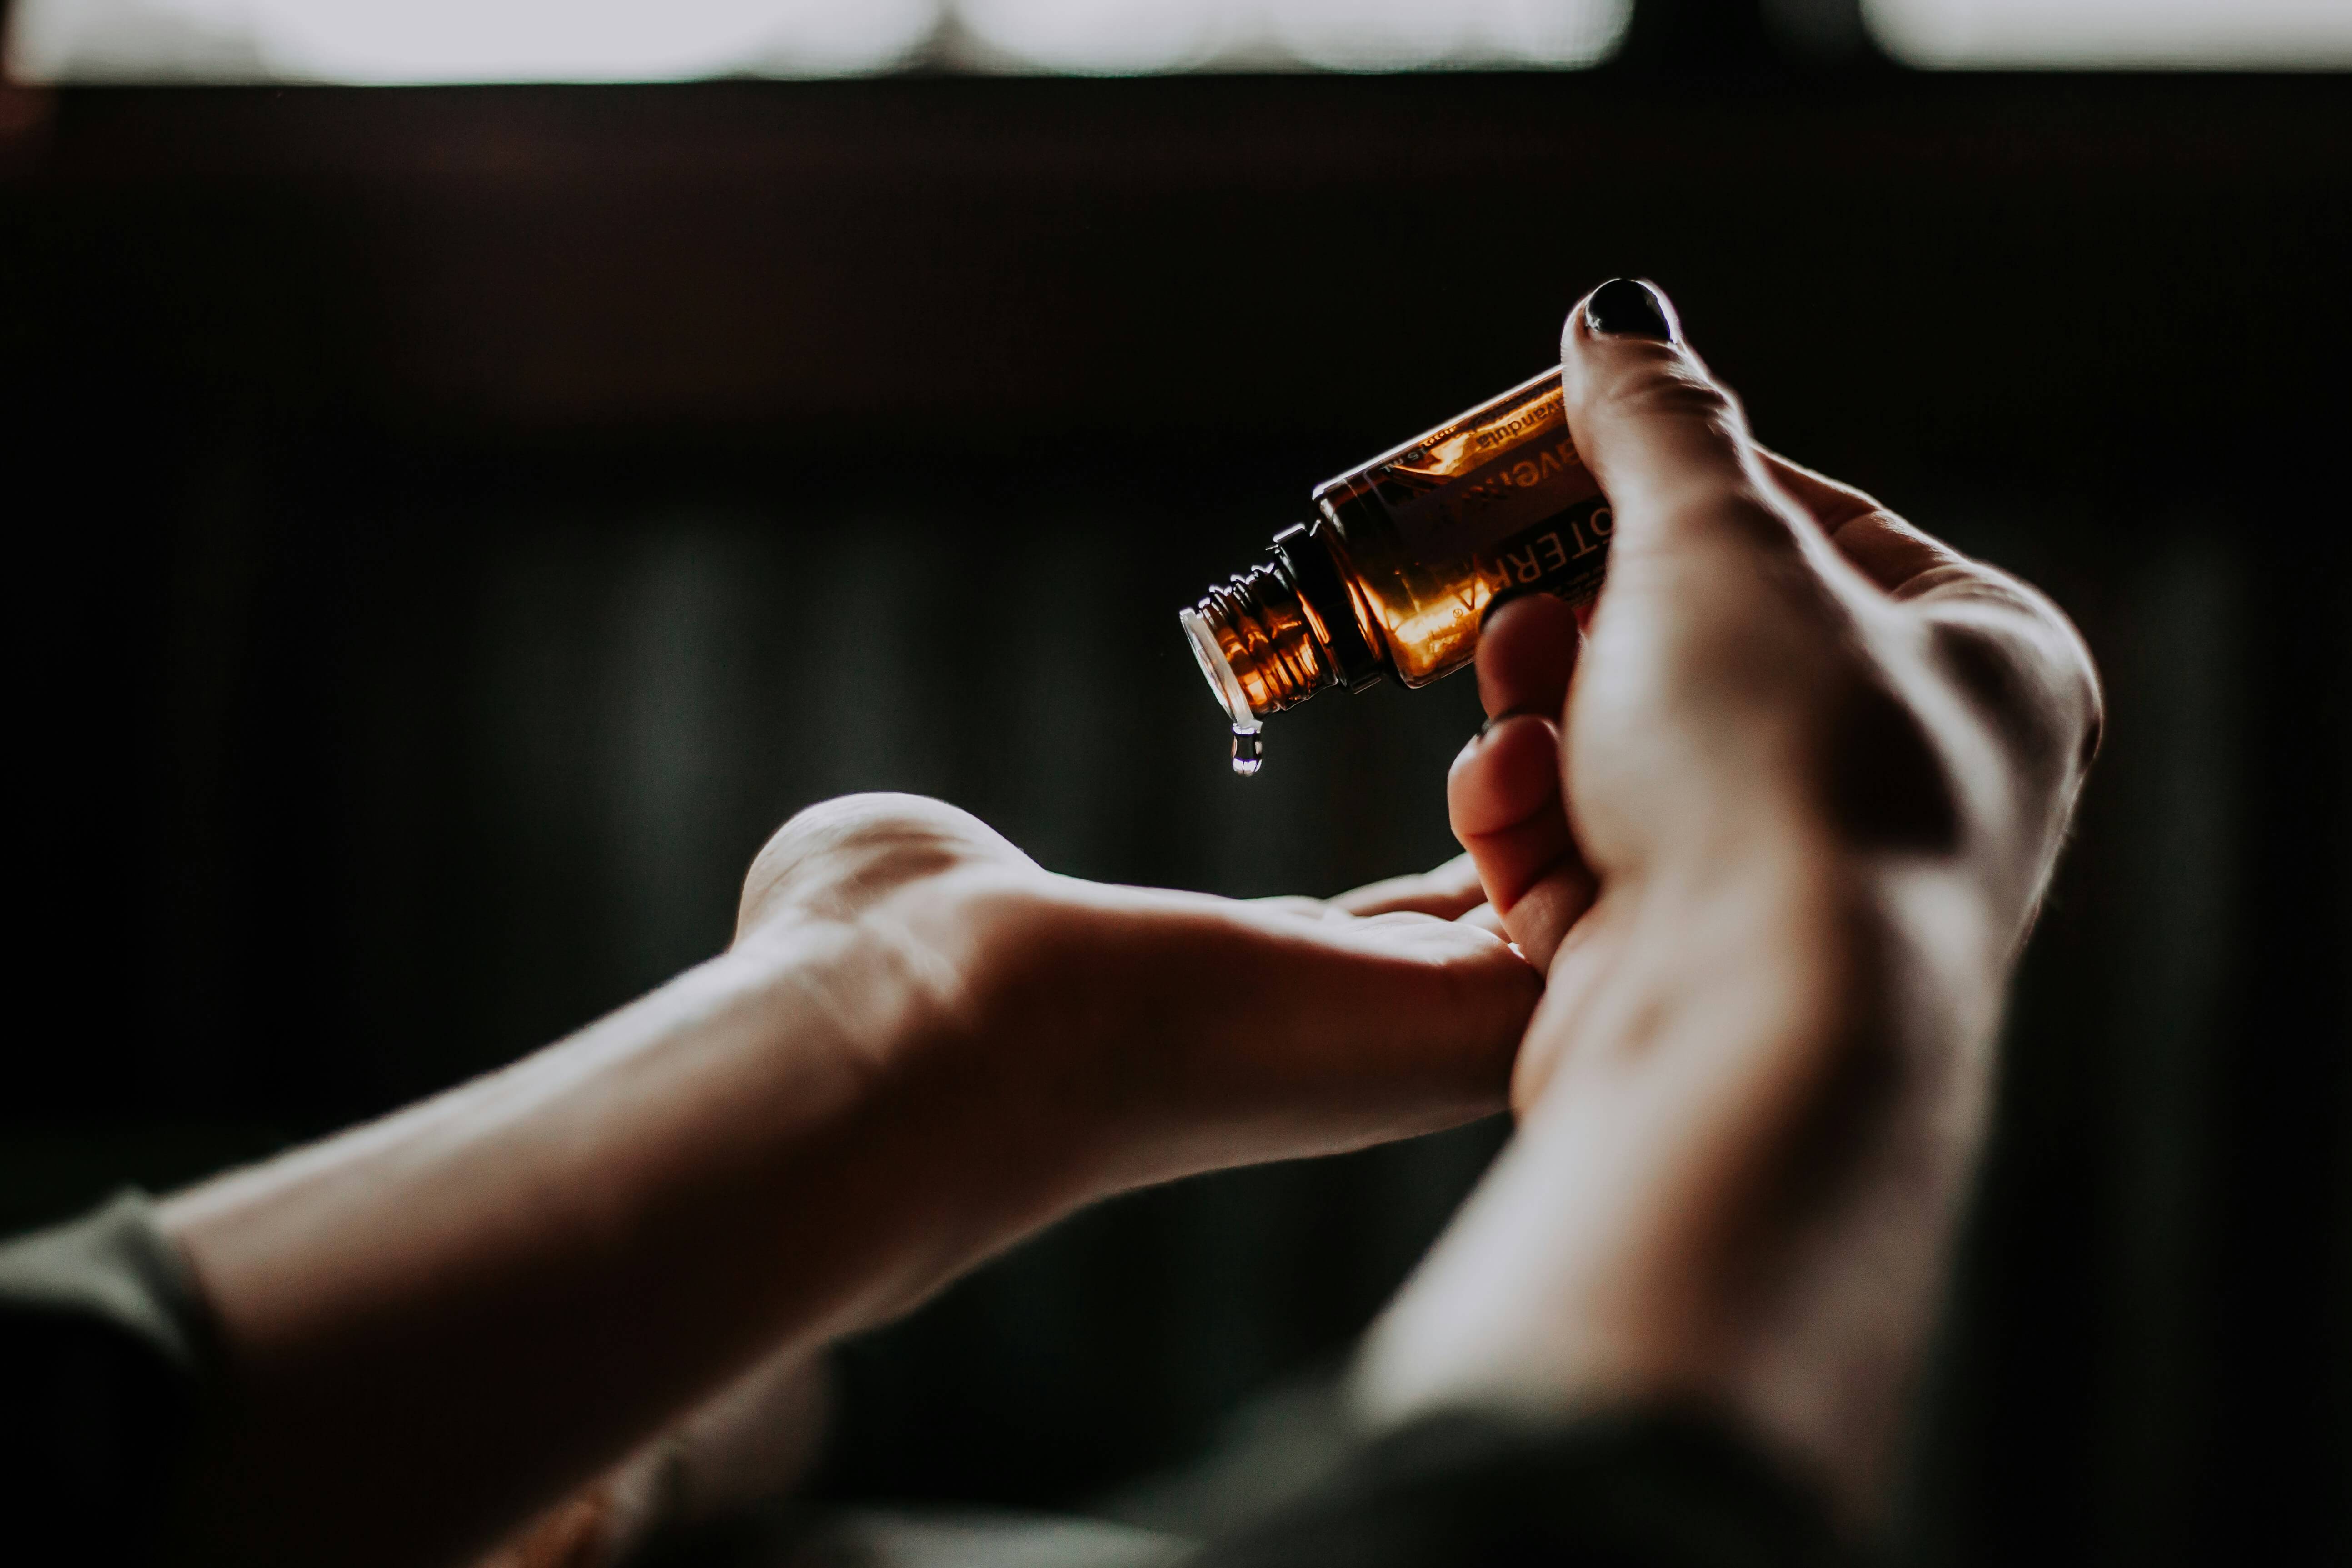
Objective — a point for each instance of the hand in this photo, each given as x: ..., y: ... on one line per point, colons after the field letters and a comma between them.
x: 1120, y: 1036
x: 1032, y: 944
x: 1775, y: 826
x: 920, y: 1048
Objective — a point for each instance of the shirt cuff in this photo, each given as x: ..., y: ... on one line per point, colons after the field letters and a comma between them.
x: 107, y: 1351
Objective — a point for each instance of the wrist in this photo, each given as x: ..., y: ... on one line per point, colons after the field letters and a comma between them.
x: 1748, y: 1107
x: 716, y: 1170
x: 930, y: 1004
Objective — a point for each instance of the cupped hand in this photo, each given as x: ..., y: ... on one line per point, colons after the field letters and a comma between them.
x: 1118, y: 1036
x: 1774, y: 818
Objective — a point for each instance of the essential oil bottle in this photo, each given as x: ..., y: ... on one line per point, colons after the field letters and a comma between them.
x: 1404, y: 557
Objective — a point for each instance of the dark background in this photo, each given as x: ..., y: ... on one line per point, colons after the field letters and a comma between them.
x: 449, y: 529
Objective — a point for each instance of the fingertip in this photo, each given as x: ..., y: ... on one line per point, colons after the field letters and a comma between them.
x: 1624, y: 308
x: 1504, y: 800
x: 1666, y: 441
x: 1508, y: 773
x: 1526, y: 654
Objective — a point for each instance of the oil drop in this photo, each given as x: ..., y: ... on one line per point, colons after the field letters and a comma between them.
x: 1249, y: 749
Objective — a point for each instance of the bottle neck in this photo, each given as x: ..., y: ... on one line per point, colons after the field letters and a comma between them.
x: 1257, y: 643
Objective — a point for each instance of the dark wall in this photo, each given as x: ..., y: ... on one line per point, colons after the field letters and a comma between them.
x: 451, y: 528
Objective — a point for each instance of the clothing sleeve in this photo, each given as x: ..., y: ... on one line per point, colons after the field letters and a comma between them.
x: 1633, y: 1488
x: 106, y: 1351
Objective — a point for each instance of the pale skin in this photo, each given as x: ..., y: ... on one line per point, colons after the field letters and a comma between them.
x: 1775, y: 826
x: 921, y: 1047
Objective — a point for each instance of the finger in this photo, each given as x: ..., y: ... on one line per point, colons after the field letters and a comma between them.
x: 1526, y: 654
x: 1503, y: 795
x: 1396, y: 1024
x: 1484, y: 918
x: 1448, y: 891
x: 1258, y: 1035
x: 1899, y: 558
x: 1726, y: 626
x: 1502, y: 798
x: 1697, y: 523
x: 2012, y: 652
x: 1666, y: 441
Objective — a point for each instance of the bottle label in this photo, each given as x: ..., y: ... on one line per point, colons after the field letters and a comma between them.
x: 1500, y: 494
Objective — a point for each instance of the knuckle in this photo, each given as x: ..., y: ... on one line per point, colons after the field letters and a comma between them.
x: 877, y: 819
x: 2021, y: 667
x: 841, y: 851
x: 1674, y: 388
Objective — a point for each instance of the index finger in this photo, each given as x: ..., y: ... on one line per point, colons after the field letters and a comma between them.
x: 1886, y: 548
x: 1447, y: 891
x: 2015, y: 654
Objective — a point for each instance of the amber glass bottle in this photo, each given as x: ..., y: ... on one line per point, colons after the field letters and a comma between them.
x: 1404, y: 557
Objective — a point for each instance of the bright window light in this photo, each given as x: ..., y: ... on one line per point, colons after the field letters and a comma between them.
x: 2213, y: 35
x: 405, y: 41
x: 1391, y: 35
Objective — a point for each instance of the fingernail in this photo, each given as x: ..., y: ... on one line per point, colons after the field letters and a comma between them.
x: 1503, y: 718
x: 1629, y: 308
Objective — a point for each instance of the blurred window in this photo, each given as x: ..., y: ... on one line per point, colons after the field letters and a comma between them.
x: 398, y: 41
x: 2213, y: 35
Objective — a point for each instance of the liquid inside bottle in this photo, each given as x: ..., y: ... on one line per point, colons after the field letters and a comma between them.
x: 1406, y: 555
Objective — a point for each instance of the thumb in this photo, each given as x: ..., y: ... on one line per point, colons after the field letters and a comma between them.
x: 1666, y: 441
x: 1717, y: 643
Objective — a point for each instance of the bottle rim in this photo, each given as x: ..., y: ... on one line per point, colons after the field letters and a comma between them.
x: 1222, y: 682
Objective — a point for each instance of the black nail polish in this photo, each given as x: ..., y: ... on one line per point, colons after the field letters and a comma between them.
x: 1629, y: 308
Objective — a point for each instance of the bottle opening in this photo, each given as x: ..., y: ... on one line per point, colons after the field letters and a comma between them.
x: 1222, y: 681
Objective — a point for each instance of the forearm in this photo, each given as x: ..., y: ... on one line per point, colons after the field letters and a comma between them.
x: 922, y: 1048
x: 1675, y: 1221
x: 489, y: 1298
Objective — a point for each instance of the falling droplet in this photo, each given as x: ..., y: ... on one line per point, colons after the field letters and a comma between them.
x: 1249, y: 750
